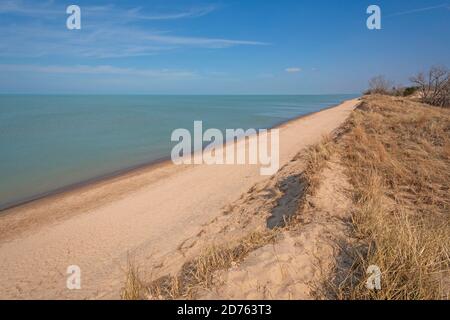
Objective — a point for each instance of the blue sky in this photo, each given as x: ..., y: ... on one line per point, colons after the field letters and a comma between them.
x: 217, y: 47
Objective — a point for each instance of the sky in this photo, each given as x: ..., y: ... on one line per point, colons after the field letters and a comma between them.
x: 217, y: 47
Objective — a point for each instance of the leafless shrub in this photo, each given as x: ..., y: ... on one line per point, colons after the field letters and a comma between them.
x: 434, y: 86
x: 380, y: 85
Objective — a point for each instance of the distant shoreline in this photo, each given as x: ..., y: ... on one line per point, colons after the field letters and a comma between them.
x: 122, y: 173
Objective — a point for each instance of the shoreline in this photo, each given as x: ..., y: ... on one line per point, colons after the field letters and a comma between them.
x: 147, y: 215
x: 128, y: 171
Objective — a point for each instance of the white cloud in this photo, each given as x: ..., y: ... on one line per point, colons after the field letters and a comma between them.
x: 47, y: 9
x: 190, y: 13
x: 293, y: 70
x: 98, y: 70
x: 102, y: 41
x: 27, y: 8
x: 107, y: 32
x: 442, y: 6
x: 201, y: 42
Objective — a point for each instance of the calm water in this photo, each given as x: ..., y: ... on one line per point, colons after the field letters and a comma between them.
x: 49, y: 142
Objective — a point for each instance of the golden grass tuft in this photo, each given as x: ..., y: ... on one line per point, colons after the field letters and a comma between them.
x: 134, y: 288
x: 316, y: 158
x: 197, y: 274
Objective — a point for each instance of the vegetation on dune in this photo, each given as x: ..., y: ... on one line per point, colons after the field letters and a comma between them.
x: 434, y: 86
x: 196, y: 274
x: 397, y: 158
x: 431, y: 87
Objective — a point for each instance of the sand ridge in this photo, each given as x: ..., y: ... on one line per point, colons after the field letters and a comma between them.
x: 295, y: 266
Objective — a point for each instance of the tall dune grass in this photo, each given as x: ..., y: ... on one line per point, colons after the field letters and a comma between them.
x: 397, y: 157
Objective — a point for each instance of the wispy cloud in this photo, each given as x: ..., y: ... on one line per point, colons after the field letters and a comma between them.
x: 442, y: 6
x: 190, y: 13
x: 107, y: 32
x: 49, y: 9
x: 100, y: 42
x: 98, y: 70
x: 202, y: 42
x: 293, y: 70
x: 20, y: 7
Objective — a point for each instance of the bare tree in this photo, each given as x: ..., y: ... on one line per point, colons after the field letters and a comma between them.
x: 434, y: 86
x: 380, y: 85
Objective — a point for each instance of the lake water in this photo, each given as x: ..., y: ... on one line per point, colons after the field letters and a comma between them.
x: 48, y: 142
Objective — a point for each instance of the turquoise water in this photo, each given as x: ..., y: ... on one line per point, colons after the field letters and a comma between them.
x: 48, y: 142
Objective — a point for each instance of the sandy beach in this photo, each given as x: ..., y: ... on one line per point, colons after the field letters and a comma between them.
x: 144, y: 214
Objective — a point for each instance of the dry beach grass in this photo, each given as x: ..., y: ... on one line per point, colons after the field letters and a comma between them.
x: 397, y: 158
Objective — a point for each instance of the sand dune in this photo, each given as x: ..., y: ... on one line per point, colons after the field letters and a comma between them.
x: 145, y: 214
